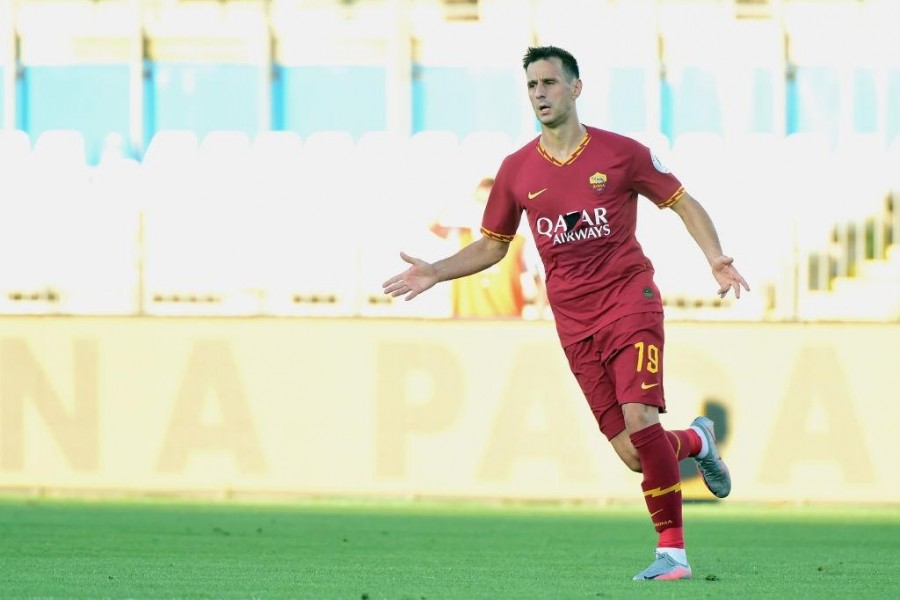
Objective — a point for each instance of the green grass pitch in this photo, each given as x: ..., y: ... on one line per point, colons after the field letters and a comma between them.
x: 359, y: 550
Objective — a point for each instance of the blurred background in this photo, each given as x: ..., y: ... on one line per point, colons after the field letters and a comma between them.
x: 199, y: 200
x: 253, y: 156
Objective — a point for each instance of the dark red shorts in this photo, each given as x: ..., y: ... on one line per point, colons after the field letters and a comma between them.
x: 621, y: 363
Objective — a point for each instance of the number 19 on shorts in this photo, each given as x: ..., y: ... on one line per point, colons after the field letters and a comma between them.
x: 651, y: 355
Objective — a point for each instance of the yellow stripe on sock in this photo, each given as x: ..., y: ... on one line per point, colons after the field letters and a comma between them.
x: 656, y: 492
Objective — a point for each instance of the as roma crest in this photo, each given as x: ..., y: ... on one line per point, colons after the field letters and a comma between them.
x: 597, y: 181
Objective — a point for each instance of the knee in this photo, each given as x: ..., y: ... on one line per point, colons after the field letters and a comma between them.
x: 633, y: 462
x: 639, y: 416
x: 639, y: 421
x: 626, y: 451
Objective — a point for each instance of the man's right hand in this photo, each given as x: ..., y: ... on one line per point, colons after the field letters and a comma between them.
x: 419, y: 277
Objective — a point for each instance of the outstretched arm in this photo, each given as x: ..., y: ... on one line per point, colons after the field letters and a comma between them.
x: 701, y: 228
x: 420, y: 276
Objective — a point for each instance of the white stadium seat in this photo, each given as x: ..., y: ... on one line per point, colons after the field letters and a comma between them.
x: 170, y: 147
x: 15, y: 149
x: 60, y: 149
x: 15, y: 163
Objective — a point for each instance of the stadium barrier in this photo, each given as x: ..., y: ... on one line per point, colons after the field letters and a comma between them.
x: 388, y: 407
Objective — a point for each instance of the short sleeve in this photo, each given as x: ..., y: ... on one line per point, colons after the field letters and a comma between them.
x: 651, y: 178
x: 502, y: 212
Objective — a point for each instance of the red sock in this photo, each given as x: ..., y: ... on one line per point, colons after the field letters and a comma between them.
x: 661, y: 484
x: 685, y: 442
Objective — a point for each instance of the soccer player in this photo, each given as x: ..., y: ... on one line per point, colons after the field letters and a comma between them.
x: 579, y: 186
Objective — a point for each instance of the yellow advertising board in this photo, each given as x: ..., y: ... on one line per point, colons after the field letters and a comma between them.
x: 427, y: 408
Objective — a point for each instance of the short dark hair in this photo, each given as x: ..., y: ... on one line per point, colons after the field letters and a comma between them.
x: 536, y: 53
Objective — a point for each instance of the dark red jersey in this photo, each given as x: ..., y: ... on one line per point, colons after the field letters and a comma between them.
x: 583, y: 214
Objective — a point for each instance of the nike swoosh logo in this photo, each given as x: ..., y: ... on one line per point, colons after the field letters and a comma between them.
x: 656, y: 513
x: 647, y: 386
x: 533, y: 195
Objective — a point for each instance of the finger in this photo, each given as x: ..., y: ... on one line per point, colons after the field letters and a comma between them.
x: 391, y: 282
x: 395, y: 284
x: 402, y: 288
x: 737, y: 289
x: 410, y: 259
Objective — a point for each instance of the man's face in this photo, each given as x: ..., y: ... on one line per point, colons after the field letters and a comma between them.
x: 552, y: 95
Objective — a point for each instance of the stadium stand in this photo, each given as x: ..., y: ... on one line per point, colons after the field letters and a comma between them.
x: 311, y: 260
x: 219, y: 213
x: 410, y: 178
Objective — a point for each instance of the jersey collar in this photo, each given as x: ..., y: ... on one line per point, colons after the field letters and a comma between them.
x: 572, y: 157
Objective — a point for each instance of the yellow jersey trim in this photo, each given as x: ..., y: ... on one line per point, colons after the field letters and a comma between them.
x: 678, y: 195
x: 572, y: 157
x: 497, y: 236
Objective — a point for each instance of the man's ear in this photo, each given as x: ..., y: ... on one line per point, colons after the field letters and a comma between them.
x: 576, y: 89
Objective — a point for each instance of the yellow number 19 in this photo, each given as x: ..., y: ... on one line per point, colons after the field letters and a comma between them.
x: 652, y: 357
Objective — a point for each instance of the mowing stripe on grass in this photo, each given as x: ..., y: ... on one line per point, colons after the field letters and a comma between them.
x: 421, y: 550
